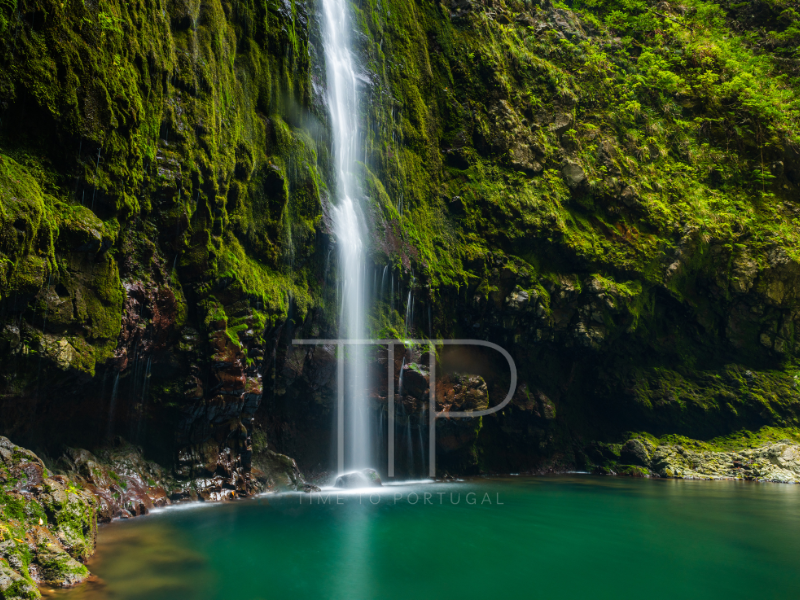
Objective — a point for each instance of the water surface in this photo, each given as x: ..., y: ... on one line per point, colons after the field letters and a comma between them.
x: 553, y: 537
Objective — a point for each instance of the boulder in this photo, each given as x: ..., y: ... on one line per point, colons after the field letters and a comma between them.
x: 358, y: 479
x: 635, y: 452
x: 628, y: 196
x: 415, y: 380
x: 573, y: 174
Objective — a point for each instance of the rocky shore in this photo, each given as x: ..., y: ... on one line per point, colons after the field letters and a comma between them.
x: 49, y: 515
x: 777, y: 462
x: 50, y: 509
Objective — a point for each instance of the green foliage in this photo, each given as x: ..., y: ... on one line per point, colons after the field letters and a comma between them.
x: 737, y: 440
x: 123, y: 121
x: 8, y: 10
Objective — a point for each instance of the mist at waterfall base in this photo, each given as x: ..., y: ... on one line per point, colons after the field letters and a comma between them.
x: 550, y: 537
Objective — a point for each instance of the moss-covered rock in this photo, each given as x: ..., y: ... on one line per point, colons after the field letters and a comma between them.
x: 14, y: 586
x: 47, y: 524
x: 768, y: 455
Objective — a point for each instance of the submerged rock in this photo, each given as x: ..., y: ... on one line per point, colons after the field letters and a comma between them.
x: 359, y: 479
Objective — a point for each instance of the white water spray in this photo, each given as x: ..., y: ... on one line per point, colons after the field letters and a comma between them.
x: 344, y: 111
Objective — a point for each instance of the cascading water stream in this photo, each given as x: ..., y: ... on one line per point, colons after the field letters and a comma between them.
x: 344, y: 111
x: 408, y: 312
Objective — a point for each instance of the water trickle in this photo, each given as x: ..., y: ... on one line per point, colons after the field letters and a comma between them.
x: 430, y: 323
x: 112, y: 405
x: 96, y: 173
x: 44, y: 329
x: 344, y: 108
x: 327, y: 265
x: 141, y: 424
x: 408, y: 312
x: 146, y: 379
x: 47, y: 300
x: 410, y: 447
x: 413, y: 303
x: 421, y: 445
x: 400, y: 381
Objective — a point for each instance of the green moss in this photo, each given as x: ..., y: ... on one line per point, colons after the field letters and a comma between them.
x: 486, y: 64
x: 738, y: 440
x: 183, y: 120
x: 273, y: 289
x: 632, y: 471
x: 17, y: 585
x: 27, y: 230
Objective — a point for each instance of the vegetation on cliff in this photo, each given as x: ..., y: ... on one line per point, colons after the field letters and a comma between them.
x: 607, y: 188
x: 610, y: 188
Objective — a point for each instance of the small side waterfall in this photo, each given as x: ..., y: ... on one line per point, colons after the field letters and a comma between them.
x: 410, y: 447
x: 344, y: 111
x: 408, y: 312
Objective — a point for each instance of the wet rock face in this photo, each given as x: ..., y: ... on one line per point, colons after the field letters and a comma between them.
x: 466, y: 392
x: 778, y: 462
x: 359, y: 479
x: 14, y: 585
x: 148, y: 322
x: 223, y: 392
x: 159, y: 283
x: 124, y: 484
x: 574, y: 176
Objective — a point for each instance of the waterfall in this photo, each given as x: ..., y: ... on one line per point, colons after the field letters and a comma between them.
x: 344, y: 111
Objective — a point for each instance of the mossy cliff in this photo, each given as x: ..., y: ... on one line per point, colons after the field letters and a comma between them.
x: 607, y: 189
x: 162, y: 175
